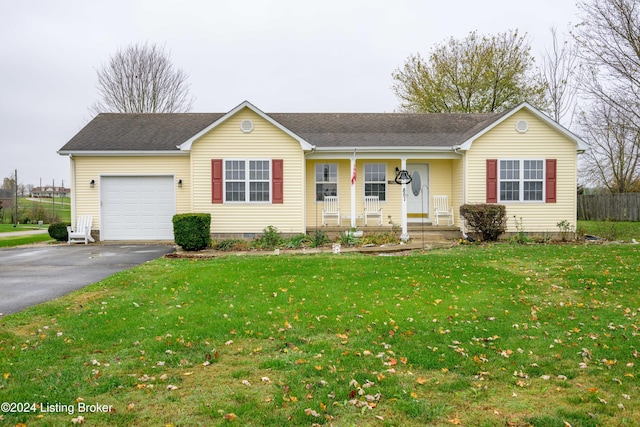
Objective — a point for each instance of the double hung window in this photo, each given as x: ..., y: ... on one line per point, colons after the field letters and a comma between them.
x: 326, y: 180
x: 375, y: 180
x: 247, y: 180
x: 521, y: 180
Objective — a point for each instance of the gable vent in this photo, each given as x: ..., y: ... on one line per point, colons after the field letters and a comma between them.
x: 522, y: 126
x: 246, y: 126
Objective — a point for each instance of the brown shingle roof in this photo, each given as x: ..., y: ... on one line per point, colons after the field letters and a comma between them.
x: 139, y: 132
x: 163, y: 132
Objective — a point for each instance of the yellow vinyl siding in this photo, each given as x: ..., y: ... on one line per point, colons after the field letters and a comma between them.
x: 457, y: 182
x: 228, y: 141
x: 87, y: 199
x: 541, y: 141
x: 440, y: 182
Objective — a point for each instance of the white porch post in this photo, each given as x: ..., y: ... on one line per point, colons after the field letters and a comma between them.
x: 405, y: 235
x: 353, y: 192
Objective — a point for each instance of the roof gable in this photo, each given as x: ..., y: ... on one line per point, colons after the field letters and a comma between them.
x: 186, y: 146
x: 581, y: 145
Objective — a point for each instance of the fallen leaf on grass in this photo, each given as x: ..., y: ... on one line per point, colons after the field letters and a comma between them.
x: 230, y: 417
x: 311, y: 412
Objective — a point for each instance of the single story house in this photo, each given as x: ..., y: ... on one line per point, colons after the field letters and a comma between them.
x: 250, y: 169
x: 50, y: 192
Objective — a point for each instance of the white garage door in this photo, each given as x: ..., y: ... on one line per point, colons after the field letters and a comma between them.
x: 137, y: 207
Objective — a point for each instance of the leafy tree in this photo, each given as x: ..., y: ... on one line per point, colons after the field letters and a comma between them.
x: 478, y: 74
x: 142, y: 79
x: 608, y: 41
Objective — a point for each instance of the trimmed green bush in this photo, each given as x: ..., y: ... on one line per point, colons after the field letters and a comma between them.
x: 58, y: 231
x: 487, y: 219
x: 192, y: 231
x: 270, y: 239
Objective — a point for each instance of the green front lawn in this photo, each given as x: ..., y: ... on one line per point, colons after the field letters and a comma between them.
x: 611, y: 230
x: 6, y: 242
x: 538, y: 335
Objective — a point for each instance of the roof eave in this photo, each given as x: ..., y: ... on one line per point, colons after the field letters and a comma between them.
x: 121, y: 153
x: 387, y: 149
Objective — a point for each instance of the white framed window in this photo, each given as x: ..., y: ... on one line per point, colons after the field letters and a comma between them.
x: 247, y: 180
x: 521, y: 180
x: 326, y: 180
x: 375, y: 180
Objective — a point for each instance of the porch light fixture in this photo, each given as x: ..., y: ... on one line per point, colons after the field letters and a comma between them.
x: 179, y: 183
x: 92, y: 183
x: 402, y: 176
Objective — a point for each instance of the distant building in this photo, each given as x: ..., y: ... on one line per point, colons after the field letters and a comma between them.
x: 50, y: 191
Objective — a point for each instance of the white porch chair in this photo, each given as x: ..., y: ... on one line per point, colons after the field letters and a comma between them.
x: 331, y: 209
x: 372, y: 209
x: 82, y: 232
x: 441, y: 208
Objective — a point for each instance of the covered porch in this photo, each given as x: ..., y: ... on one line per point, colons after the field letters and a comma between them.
x: 340, y: 186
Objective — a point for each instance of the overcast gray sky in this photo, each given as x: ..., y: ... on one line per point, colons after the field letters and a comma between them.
x: 281, y: 55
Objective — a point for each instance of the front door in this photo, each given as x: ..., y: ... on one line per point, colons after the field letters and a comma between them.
x: 418, y: 192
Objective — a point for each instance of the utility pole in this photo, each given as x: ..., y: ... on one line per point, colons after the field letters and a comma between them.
x: 15, y: 183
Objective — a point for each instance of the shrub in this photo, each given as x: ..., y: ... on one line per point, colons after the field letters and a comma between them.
x: 298, y: 241
x: 565, y: 229
x: 381, y: 239
x: 58, y: 231
x: 319, y: 238
x: 487, y: 219
x: 192, y: 231
x: 347, y: 238
x: 270, y: 239
x: 233, y: 245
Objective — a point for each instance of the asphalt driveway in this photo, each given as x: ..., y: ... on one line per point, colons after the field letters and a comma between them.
x: 31, y: 275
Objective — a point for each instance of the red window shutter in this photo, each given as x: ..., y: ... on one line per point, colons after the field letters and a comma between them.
x: 492, y: 181
x: 550, y: 181
x: 216, y: 181
x: 278, y: 181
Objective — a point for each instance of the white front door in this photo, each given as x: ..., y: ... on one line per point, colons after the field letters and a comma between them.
x: 418, y: 192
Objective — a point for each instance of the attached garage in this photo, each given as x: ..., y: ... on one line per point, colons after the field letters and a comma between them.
x: 137, y: 207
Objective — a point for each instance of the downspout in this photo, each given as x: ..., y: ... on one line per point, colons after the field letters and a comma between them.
x: 304, y: 189
x: 72, y: 163
x: 456, y: 149
x: 353, y: 190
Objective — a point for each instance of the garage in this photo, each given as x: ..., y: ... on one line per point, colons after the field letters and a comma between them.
x: 137, y: 207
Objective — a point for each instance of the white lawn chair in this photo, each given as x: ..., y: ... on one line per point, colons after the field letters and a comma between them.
x: 331, y: 209
x: 372, y: 208
x: 82, y: 232
x: 441, y: 208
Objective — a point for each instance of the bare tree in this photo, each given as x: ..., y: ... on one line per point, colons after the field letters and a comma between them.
x: 560, y: 70
x: 613, y: 159
x: 478, y: 74
x: 142, y: 79
x: 608, y: 42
